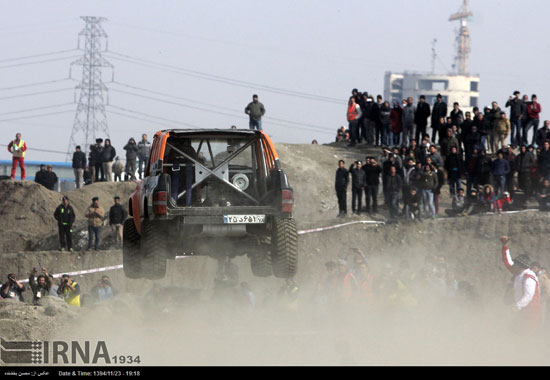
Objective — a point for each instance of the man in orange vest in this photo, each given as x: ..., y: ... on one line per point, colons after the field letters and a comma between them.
x: 353, y: 115
x: 17, y: 148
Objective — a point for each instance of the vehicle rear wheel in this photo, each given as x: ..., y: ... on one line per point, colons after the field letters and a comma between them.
x: 153, y: 251
x: 260, y: 263
x: 131, y: 259
x: 284, y: 247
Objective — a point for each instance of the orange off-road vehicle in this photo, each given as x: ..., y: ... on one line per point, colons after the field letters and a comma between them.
x: 214, y: 192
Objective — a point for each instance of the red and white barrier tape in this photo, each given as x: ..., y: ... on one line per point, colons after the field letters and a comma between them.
x: 94, y: 270
x: 120, y: 266
x: 339, y: 225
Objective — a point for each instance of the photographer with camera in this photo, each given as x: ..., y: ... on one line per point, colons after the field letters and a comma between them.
x: 69, y: 290
x: 12, y: 288
x: 41, y: 286
x: 103, y: 291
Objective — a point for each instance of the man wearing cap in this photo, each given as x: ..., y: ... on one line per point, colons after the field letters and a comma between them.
x: 64, y: 214
x: 79, y: 164
x: 95, y: 214
x: 525, y: 288
x: 255, y: 110
x: 17, y: 148
x: 95, y: 161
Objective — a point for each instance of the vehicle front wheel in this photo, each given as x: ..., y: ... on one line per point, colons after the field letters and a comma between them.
x: 131, y: 258
x: 153, y: 250
x: 284, y: 247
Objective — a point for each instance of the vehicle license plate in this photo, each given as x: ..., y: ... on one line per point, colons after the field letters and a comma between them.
x: 243, y: 219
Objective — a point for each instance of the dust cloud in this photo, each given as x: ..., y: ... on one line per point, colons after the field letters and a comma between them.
x: 422, y: 325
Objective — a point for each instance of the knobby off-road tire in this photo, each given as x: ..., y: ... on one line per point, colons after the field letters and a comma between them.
x: 153, y: 250
x: 260, y: 263
x: 131, y: 259
x: 284, y: 248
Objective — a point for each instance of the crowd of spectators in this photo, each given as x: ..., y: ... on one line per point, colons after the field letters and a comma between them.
x: 104, y: 164
x: 46, y: 285
x: 467, y: 151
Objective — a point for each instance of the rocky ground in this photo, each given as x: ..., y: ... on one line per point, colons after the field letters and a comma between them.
x: 216, y: 333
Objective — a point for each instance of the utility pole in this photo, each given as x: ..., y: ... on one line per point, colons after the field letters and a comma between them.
x: 90, y: 118
x: 434, y: 55
x: 462, y: 38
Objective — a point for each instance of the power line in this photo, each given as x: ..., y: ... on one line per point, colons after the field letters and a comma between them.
x: 210, y: 110
x: 36, y: 62
x: 36, y: 55
x: 221, y: 79
x: 33, y: 116
x: 36, y: 108
x: 41, y: 150
x: 151, y: 116
x: 36, y: 93
x: 34, y: 84
x: 156, y: 122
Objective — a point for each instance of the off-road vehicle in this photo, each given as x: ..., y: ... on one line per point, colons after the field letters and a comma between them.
x: 214, y: 192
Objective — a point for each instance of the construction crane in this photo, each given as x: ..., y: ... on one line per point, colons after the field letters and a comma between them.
x: 462, y: 38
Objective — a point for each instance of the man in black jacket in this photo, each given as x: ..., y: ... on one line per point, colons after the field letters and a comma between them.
x: 455, y: 168
x: 439, y: 110
x: 117, y: 215
x: 394, y: 185
x: 79, y: 164
x: 341, y: 186
x: 525, y: 161
x: 131, y: 159
x: 517, y: 108
x: 95, y: 161
x: 51, y: 178
x: 64, y: 214
x: 358, y: 182
x: 40, y: 176
x: 421, y: 118
x: 107, y: 156
x: 372, y: 178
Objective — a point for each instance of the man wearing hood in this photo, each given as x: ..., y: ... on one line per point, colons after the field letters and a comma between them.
x: 107, y: 156
x: 131, y: 158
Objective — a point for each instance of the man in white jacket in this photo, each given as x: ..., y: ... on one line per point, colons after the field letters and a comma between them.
x: 526, y: 287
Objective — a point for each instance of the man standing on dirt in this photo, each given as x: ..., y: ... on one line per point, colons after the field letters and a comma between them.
x: 358, y: 183
x: 64, y: 214
x: 341, y: 186
x: 255, y: 110
x: 107, y: 156
x: 117, y: 215
x: 17, y: 148
x: 525, y: 288
x: 144, y: 148
x: 79, y: 164
x: 95, y: 214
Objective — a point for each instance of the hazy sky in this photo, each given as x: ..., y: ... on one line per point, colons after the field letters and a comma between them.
x: 198, y: 63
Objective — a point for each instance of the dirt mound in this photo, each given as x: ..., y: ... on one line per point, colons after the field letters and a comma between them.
x: 26, y: 211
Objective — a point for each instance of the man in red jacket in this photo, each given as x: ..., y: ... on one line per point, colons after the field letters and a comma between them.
x: 17, y: 148
x: 533, y: 111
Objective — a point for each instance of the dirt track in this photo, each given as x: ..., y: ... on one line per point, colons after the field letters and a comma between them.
x: 214, y: 331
